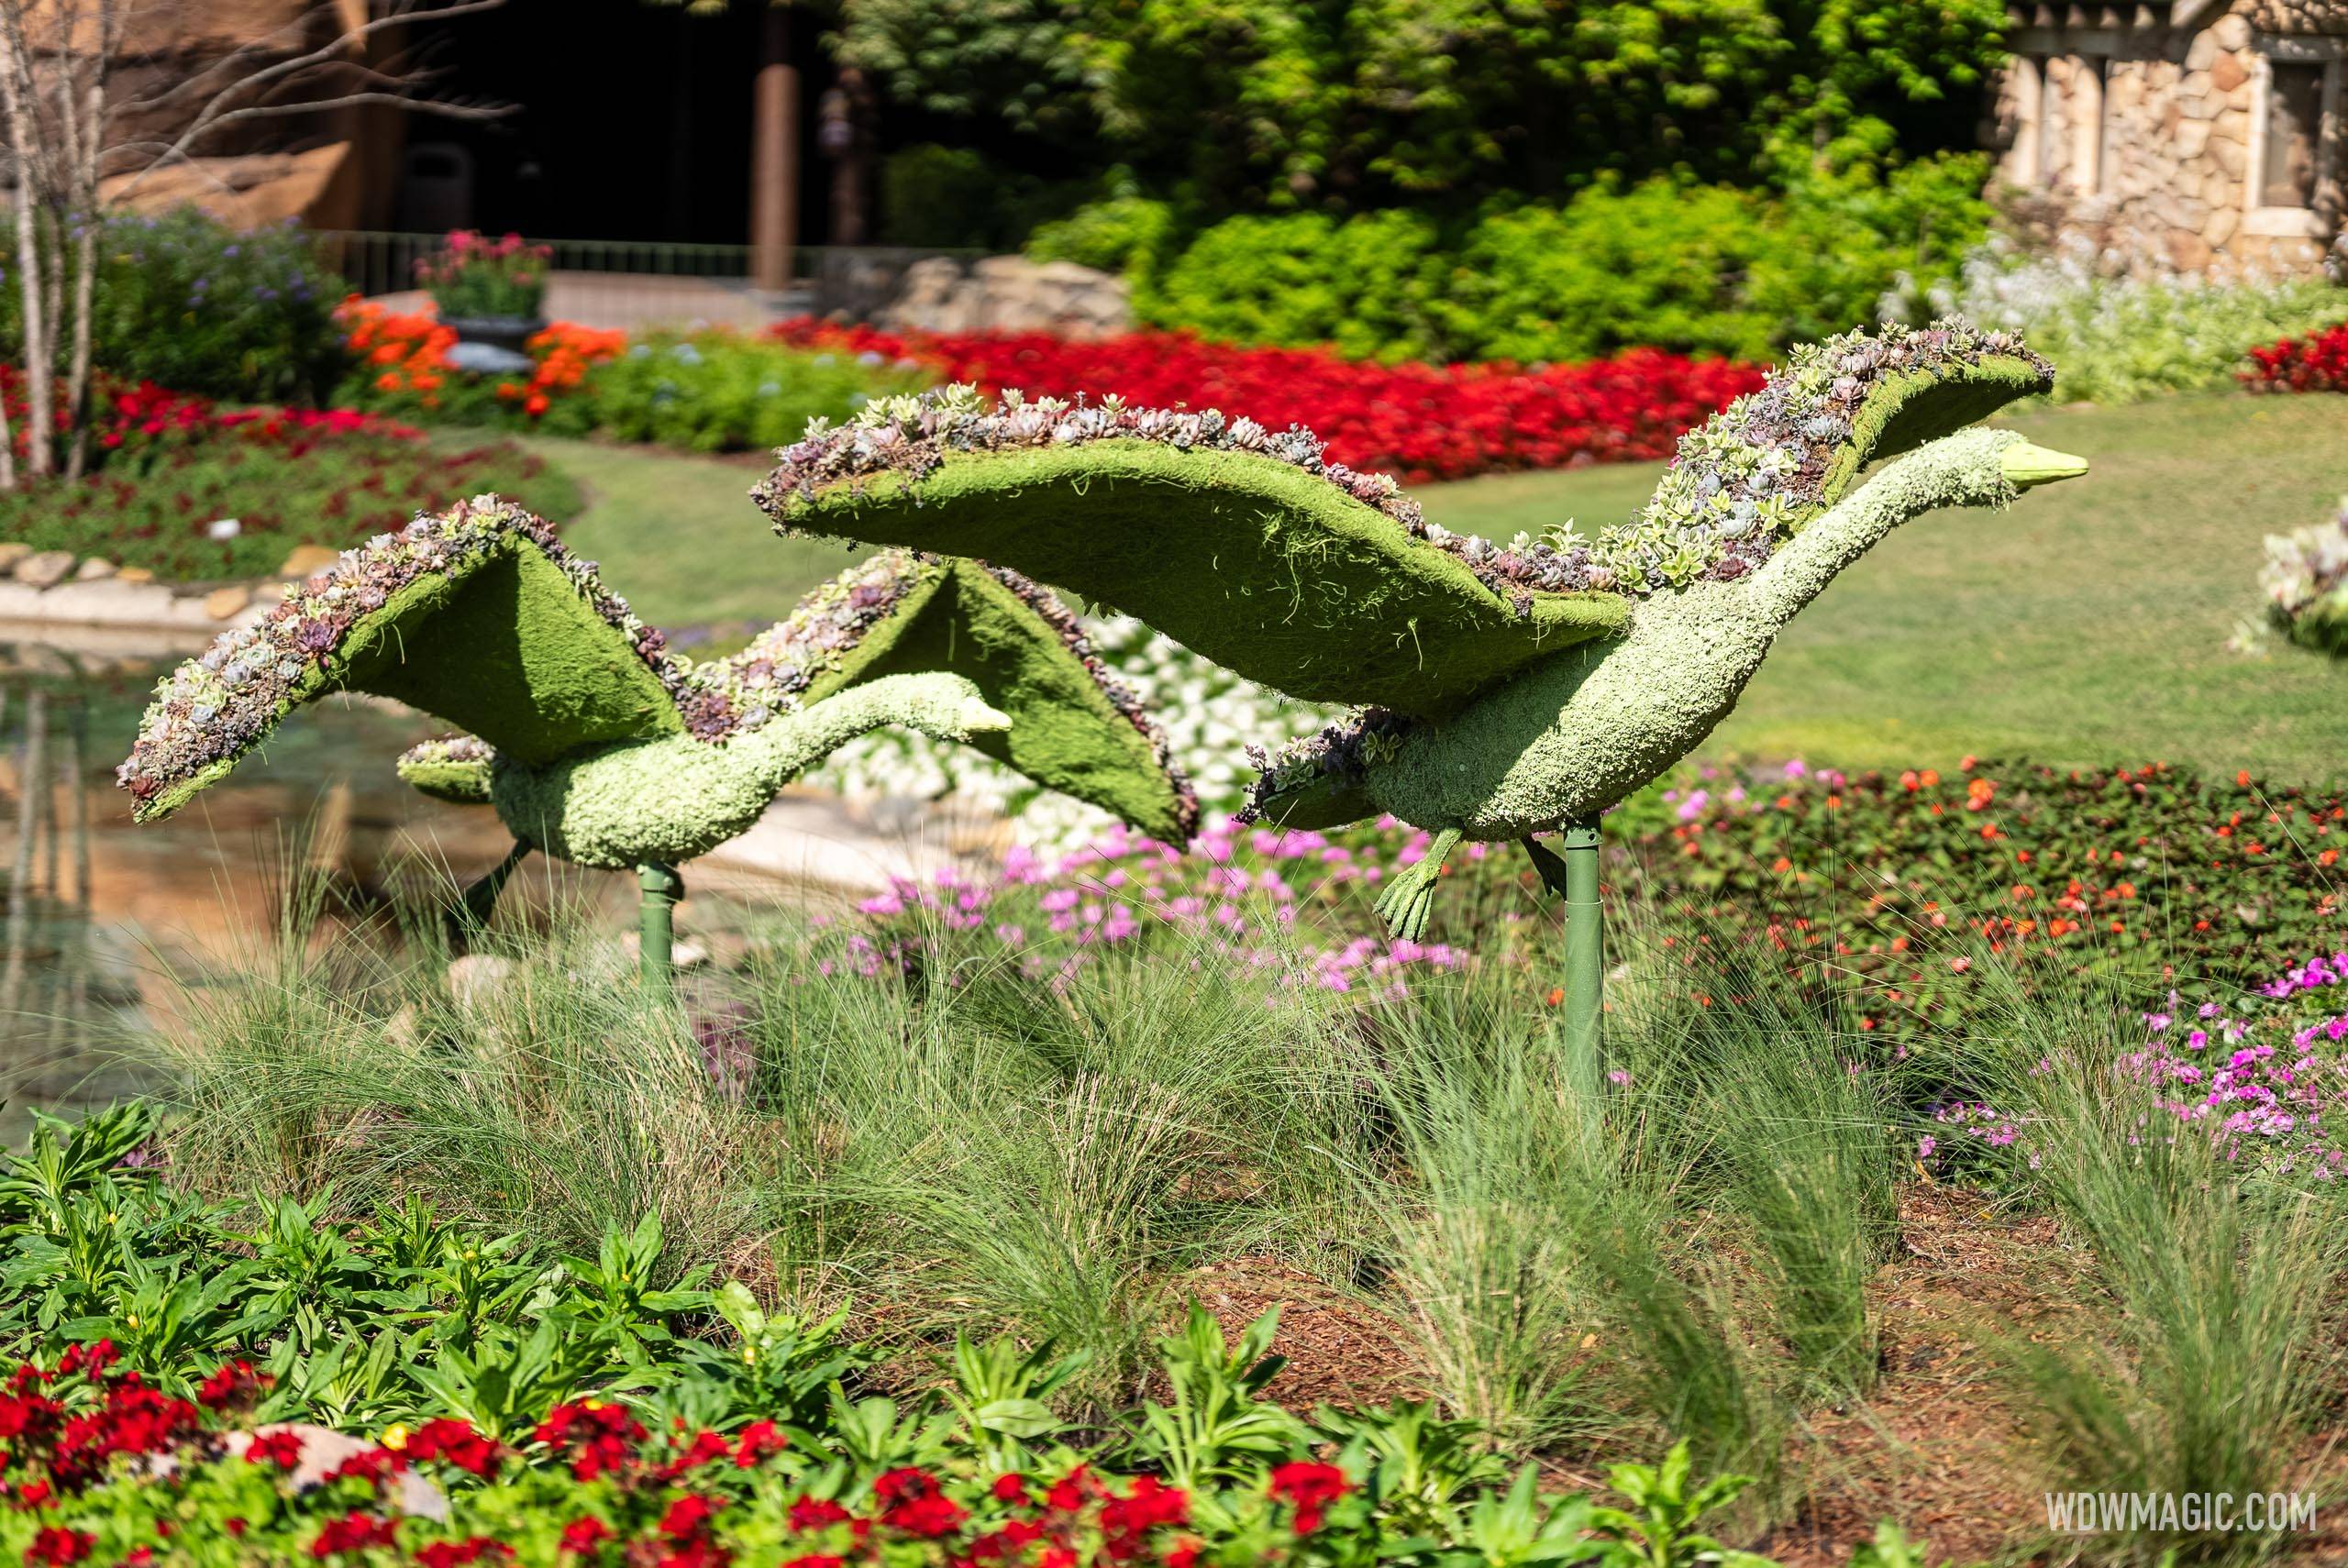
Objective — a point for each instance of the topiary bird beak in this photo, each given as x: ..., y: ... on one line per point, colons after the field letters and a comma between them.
x: 2026, y: 464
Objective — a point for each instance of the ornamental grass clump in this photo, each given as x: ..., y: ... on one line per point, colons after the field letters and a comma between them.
x: 595, y: 745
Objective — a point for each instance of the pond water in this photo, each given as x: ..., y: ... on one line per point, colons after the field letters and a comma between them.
x: 101, y: 915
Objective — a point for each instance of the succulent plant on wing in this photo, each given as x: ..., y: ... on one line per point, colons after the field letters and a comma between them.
x: 1507, y: 689
x: 594, y: 744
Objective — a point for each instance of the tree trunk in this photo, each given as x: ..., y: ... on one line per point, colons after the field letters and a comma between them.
x: 774, y: 157
x: 92, y: 108
x: 40, y: 363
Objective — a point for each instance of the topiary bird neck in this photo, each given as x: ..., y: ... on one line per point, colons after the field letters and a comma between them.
x: 1975, y: 468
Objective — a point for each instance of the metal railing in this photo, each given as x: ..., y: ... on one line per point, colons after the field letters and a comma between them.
x: 624, y: 283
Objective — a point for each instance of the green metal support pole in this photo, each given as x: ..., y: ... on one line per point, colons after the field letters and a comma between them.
x: 662, y: 887
x: 1584, y: 946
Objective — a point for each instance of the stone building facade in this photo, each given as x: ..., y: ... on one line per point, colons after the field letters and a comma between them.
x: 2192, y: 135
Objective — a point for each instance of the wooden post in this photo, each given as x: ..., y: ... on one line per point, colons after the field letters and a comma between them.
x: 774, y: 157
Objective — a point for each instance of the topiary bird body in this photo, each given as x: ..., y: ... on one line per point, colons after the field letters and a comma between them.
x: 1508, y: 688
x: 596, y: 745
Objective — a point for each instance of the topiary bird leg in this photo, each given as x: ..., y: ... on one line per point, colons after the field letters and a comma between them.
x: 471, y: 916
x: 661, y: 886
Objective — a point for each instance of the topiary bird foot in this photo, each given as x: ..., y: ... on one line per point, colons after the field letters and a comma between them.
x: 595, y: 745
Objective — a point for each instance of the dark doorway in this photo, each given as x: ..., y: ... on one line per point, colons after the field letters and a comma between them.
x: 632, y: 122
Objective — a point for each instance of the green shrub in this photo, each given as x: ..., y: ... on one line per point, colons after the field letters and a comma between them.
x: 160, y: 507
x: 1131, y: 234
x: 189, y: 303
x: 1364, y: 285
x: 1695, y: 269
x: 713, y: 393
x: 2122, y: 339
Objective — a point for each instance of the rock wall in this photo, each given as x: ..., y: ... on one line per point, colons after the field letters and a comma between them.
x: 2144, y: 139
x: 1008, y: 294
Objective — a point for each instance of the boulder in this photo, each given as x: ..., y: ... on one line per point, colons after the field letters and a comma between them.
x: 10, y: 554
x: 222, y: 603
x: 45, y: 569
x: 95, y: 570
x: 305, y: 560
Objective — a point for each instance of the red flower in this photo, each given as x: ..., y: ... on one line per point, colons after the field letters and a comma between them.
x: 1149, y: 1503
x: 686, y: 1517
x: 813, y: 1560
x: 455, y: 1442
x: 355, y: 1531
x: 232, y: 1386
x: 583, y: 1535
x: 762, y: 1440
x: 58, y: 1546
x: 1310, y: 1486
x: 705, y: 1447
x: 911, y: 1501
x: 599, y: 1438
x: 1009, y: 1487
x: 814, y: 1513
x: 1493, y: 416
x: 281, y: 1448
x: 457, y: 1554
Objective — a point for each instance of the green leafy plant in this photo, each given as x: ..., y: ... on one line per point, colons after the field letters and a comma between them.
x: 1659, y: 1527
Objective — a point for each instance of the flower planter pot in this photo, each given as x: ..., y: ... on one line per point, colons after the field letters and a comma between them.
x: 493, y: 345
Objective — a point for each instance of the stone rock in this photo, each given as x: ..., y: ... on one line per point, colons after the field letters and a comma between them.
x: 135, y: 574
x: 2189, y: 137
x: 324, y: 1451
x: 222, y: 603
x: 10, y: 554
x: 1009, y: 293
x: 95, y: 570
x: 2229, y: 155
x: 2230, y: 31
x: 108, y: 601
x: 46, y: 569
x: 2187, y: 251
x: 2226, y: 72
x: 2222, y: 225
x: 2201, y: 51
x: 478, y: 979
x: 305, y: 560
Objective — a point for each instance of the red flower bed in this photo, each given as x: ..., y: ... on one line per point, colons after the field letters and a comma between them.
x: 1416, y: 421
x: 2318, y: 362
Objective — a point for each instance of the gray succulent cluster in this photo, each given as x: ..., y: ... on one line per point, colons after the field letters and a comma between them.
x: 212, y: 708
x: 1741, y: 482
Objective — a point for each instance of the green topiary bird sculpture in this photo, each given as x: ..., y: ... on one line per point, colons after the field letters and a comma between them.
x: 596, y: 745
x: 1508, y: 688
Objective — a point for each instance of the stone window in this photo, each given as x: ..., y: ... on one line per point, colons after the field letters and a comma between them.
x: 2294, y: 132
x: 2292, y: 183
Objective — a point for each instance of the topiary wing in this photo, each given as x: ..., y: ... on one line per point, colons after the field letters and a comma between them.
x: 479, y: 617
x: 1267, y: 567
x: 1074, y: 728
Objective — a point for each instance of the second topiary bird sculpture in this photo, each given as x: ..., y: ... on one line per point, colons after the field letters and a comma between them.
x: 596, y: 745
x: 1507, y: 690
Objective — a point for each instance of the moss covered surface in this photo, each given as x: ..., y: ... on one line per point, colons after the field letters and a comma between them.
x: 1068, y: 732
x: 1266, y: 570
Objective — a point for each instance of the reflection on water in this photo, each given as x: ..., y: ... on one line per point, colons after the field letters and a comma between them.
x: 100, y: 914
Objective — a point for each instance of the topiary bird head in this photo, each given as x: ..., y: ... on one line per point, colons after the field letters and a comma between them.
x: 1507, y: 689
x: 595, y: 744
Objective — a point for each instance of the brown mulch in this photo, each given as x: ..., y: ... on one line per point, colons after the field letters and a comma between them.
x: 1340, y: 1351
x: 1932, y: 1445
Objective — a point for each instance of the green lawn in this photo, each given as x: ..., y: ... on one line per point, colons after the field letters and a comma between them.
x: 679, y: 538
x: 2088, y: 625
